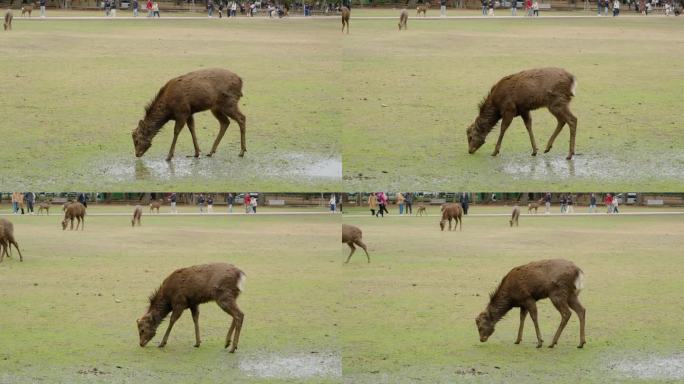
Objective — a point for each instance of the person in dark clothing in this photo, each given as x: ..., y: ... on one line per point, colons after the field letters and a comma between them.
x: 230, y: 199
x: 135, y: 6
x: 465, y: 202
x: 484, y: 7
x: 83, y: 199
x: 200, y: 202
x: 409, y: 202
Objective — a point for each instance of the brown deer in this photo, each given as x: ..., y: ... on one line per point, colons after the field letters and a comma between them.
x: 515, y: 215
x: 531, y: 206
x: 155, y: 205
x: 449, y: 212
x: 7, y: 239
x: 517, y: 95
x: 421, y: 210
x: 422, y: 8
x: 403, y: 19
x: 73, y: 211
x: 8, y: 20
x: 559, y: 280
x: 218, y: 90
x: 44, y: 206
x: 352, y: 235
x: 345, y: 18
x: 188, y: 288
x: 27, y: 9
x: 137, y: 214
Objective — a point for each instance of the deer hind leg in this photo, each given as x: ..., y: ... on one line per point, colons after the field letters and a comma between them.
x: 505, y: 122
x: 527, y: 119
x: 195, y: 319
x: 224, y: 123
x: 576, y: 306
x: 531, y: 307
x: 362, y: 245
x: 353, y: 249
x: 228, y: 304
x: 556, y: 110
x: 174, y: 316
x: 523, y: 314
x: 561, y: 304
x: 572, y: 123
x: 234, y: 113
x: 191, y: 127
x: 176, y: 131
x: 21, y: 258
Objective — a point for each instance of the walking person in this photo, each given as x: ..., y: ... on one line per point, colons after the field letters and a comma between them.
x: 514, y: 8
x: 615, y: 205
x: 528, y: 7
x: 173, y: 199
x: 409, y: 203
x: 569, y: 202
x: 400, y: 202
x: 230, y: 199
x: 535, y: 8
x: 220, y: 9
x: 42, y: 7
x: 210, y: 8
x: 491, y: 8
x: 465, y: 202
x: 233, y: 9
x: 592, y: 203
x: 135, y: 8
x: 29, y: 198
x: 248, y: 201
x: 547, y: 202
x: 616, y: 8
x: 563, y: 203
x: 606, y: 3
x: 149, y: 6
x: 484, y: 7
x: 155, y: 9
x: 17, y: 198
x: 372, y: 203
x: 210, y: 204
x: 200, y: 203
x: 608, y: 201
x: 107, y: 7
x: 332, y: 203
x: 442, y: 8
x: 599, y: 3
x: 253, y: 204
x: 381, y: 205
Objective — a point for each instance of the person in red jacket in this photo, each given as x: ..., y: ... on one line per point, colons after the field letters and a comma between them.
x: 608, y: 200
x: 528, y: 7
x: 248, y: 203
x: 149, y: 8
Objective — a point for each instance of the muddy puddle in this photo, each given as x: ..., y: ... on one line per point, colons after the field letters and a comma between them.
x: 292, y: 366
x: 283, y: 166
x: 652, y: 367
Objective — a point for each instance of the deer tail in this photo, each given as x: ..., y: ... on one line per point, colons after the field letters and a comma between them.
x: 241, y: 281
x: 579, y: 280
x: 573, y: 86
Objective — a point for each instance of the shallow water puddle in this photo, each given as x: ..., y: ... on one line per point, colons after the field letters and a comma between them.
x: 651, y: 367
x: 299, y: 365
x: 283, y: 165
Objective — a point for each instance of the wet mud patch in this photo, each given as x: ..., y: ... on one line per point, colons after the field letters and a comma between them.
x: 302, y: 365
x: 653, y: 367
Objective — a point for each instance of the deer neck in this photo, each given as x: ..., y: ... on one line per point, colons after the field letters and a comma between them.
x: 498, y: 306
x: 159, y: 309
x: 155, y: 119
x: 489, y: 116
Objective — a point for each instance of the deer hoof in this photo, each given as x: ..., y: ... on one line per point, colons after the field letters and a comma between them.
x: 161, y: 345
x: 242, y: 154
x: 232, y: 350
x: 169, y: 158
x: 552, y: 345
x: 547, y: 150
x: 196, y: 345
x: 209, y: 154
x: 534, y: 153
x: 569, y: 157
x: 517, y: 342
x: 581, y: 345
x: 539, y: 344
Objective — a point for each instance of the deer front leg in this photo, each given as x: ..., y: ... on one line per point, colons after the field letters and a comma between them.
x: 505, y: 122
x: 532, y: 309
x: 527, y: 119
x: 559, y: 127
x: 176, y: 131
x: 224, y: 123
x: 523, y: 314
x: 195, y: 319
x: 191, y: 126
x: 174, y: 316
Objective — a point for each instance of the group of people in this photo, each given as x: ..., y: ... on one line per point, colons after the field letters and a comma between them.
x: 605, y: 4
x: 231, y: 8
x: 23, y: 202
x: 206, y: 203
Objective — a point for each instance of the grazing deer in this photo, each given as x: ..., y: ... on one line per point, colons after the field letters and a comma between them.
x: 515, y: 215
x: 517, y: 95
x: 533, y: 205
x: 27, y: 9
x: 403, y: 19
x: 449, y: 212
x: 352, y: 235
x: 188, y: 288
x: 422, y: 9
x: 345, y: 18
x: 421, y: 210
x: 559, y: 280
x: 137, y: 214
x: 7, y: 239
x: 218, y: 90
x: 44, y: 206
x: 73, y: 211
x: 8, y: 20
x: 155, y: 205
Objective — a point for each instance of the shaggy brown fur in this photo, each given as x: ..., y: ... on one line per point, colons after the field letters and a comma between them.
x: 515, y: 215
x: 44, y: 206
x: 421, y: 210
x: 532, y: 206
x: 8, y: 20
x: 137, y: 214
x: 403, y: 19
x: 346, y: 13
x: 215, y: 89
x: 7, y: 239
x: 449, y: 212
x: 26, y: 9
x: 559, y: 280
x: 155, y: 205
x: 517, y: 95
x: 73, y: 211
x: 352, y: 235
x: 188, y: 288
x: 422, y: 9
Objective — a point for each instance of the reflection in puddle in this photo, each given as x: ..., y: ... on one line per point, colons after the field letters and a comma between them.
x: 291, y: 166
x: 300, y: 366
x: 653, y: 367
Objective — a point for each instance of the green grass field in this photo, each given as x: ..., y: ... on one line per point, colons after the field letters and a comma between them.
x: 409, y: 314
x: 74, y: 91
x: 69, y: 310
x: 410, y: 97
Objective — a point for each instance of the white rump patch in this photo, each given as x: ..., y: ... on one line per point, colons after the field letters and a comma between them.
x: 579, y: 281
x: 241, y: 282
x: 573, y: 87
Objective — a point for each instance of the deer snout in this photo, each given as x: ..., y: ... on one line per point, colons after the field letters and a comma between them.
x: 484, y: 338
